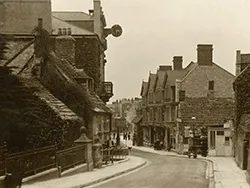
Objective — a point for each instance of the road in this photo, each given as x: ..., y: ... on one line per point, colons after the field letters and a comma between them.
x: 163, y: 172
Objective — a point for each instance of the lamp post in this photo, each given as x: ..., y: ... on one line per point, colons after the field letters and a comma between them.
x: 192, y: 140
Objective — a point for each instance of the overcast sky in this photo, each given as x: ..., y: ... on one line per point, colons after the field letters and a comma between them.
x: 157, y: 30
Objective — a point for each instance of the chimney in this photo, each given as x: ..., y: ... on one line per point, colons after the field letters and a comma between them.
x: 40, y: 23
x: 238, y: 63
x: 177, y: 62
x: 205, y: 54
x: 165, y: 67
x: 97, y: 18
x: 65, y: 46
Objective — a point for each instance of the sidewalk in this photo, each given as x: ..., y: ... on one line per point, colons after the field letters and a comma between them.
x: 93, y: 177
x: 226, y: 173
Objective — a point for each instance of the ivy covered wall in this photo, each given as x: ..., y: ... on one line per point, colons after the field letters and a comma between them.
x: 242, y: 94
x: 26, y: 122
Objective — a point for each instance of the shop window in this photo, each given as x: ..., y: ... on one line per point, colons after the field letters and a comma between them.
x: 212, y: 139
x: 220, y: 133
x: 227, y: 141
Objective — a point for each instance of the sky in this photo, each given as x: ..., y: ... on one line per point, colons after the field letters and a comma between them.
x: 156, y: 30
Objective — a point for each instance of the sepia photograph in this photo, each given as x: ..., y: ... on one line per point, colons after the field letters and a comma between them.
x: 124, y: 94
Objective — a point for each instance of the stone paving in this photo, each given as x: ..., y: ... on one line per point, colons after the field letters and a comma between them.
x: 89, y: 178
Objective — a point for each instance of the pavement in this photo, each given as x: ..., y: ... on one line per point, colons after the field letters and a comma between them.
x: 89, y: 178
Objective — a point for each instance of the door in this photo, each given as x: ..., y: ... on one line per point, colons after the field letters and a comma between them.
x: 219, y: 144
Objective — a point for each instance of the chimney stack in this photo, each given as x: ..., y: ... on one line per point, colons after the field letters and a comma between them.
x: 65, y: 45
x: 238, y: 63
x: 165, y: 67
x: 177, y: 62
x: 97, y: 17
x: 205, y: 54
x: 40, y: 23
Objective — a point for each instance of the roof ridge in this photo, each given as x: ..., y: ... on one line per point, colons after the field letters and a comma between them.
x: 223, y: 69
x: 73, y: 25
x: 189, y: 72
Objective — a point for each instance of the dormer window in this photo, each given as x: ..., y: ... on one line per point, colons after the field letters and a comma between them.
x: 211, y: 85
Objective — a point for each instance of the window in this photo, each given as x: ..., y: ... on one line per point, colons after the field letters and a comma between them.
x: 185, y: 140
x: 212, y: 139
x: 182, y: 95
x: 211, y: 85
x: 220, y: 133
x: 227, y: 141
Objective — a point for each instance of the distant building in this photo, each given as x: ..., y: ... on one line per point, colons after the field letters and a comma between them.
x: 174, y: 101
x: 124, y: 111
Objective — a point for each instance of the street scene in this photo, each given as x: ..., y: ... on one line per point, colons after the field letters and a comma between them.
x: 117, y: 94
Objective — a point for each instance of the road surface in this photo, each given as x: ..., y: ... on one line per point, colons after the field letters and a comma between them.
x: 163, y: 172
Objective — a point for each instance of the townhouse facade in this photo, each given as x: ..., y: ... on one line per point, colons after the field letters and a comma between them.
x: 183, y: 99
x: 63, y: 62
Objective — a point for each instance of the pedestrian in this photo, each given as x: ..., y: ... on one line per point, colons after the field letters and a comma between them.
x: 129, y: 136
x: 125, y: 136
x: 113, y: 135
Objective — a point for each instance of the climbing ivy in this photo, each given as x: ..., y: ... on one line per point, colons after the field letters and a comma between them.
x: 242, y: 94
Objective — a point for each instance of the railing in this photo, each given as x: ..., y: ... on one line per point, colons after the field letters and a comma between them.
x: 32, y: 162
x: 71, y: 157
x: 107, y: 154
x: 119, y: 153
x: 3, y: 150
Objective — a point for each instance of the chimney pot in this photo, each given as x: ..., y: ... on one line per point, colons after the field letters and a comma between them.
x: 64, y: 31
x: 40, y: 22
x: 69, y: 31
x: 60, y: 31
x: 205, y: 54
x: 177, y: 62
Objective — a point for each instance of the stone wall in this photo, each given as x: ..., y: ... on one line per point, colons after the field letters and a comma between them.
x: 196, y: 84
x: 20, y: 16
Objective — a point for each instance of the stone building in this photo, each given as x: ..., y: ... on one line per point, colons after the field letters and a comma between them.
x: 124, y: 111
x: 62, y: 62
x: 205, y: 97
x: 242, y: 109
x: 182, y: 98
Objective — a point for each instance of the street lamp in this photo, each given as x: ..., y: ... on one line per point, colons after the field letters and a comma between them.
x: 192, y: 140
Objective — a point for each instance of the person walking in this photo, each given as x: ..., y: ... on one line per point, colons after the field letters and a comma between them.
x: 129, y: 136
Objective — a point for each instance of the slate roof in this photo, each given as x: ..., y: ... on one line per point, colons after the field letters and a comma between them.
x: 144, y: 88
x: 71, y: 16
x: 178, y: 74
x: 69, y: 72
x: 20, y: 54
x: 207, y: 111
x: 14, y: 48
x: 161, y: 75
x: 60, y: 108
x: 152, y: 81
x: 98, y: 105
x: 58, y: 23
